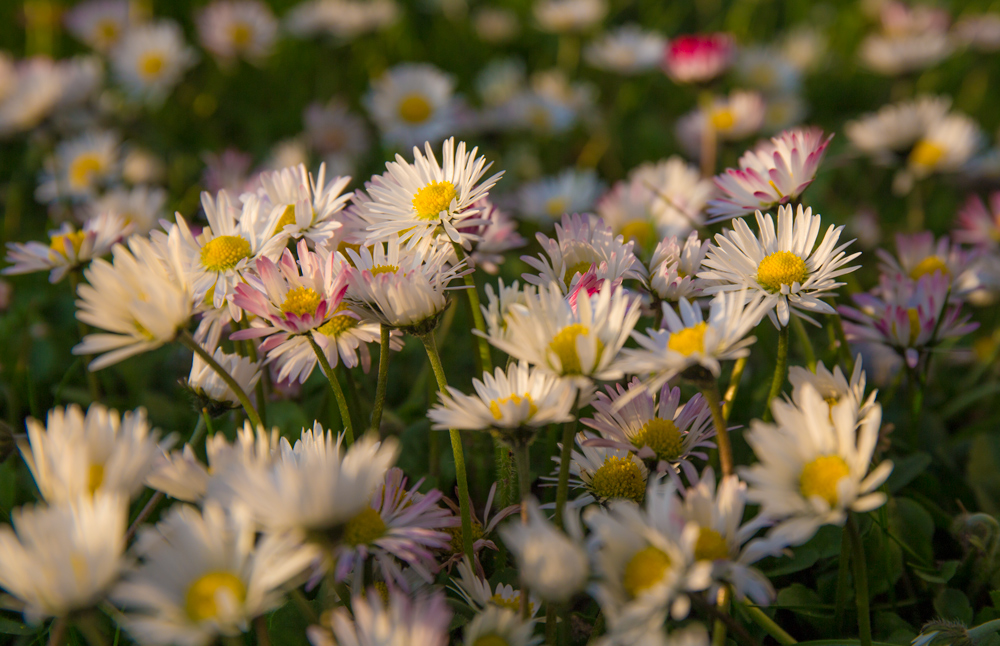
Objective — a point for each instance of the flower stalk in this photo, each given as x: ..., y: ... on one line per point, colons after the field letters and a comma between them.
x: 338, y: 392
x: 780, y: 372
x: 185, y: 339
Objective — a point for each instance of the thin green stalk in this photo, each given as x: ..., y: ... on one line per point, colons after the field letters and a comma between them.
x: 383, y: 378
x: 807, y: 346
x: 845, y: 348
x: 780, y: 372
x: 843, y: 580
x: 251, y: 353
x: 92, y: 385
x: 472, y: 293
x: 143, y: 515
x: 771, y: 627
x: 338, y: 392
x: 305, y: 607
x: 711, y: 394
x: 456, y: 447
x: 185, y: 339
x: 860, y: 583
x: 207, y: 427
x: 598, y: 628
x: 734, y: 386
x: 89, y: 624
x: 719, y: 627
x: 562, y: 489
x: 523, y: 460
x: 58, y: 632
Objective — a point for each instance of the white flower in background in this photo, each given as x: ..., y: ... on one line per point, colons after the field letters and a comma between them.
x: 61, y: 558
x: 731, y: 118
x: 571, y: 191
x: 583, y: 243
x: 628, y: 210
x: 604, y: 473
x: 202, y: 574
x: 498, y: 306
x: 495, y: 24
x: 673, y: 269
x: 99, y: 23
x: 784, y: 267
x: 628, y: 49
x: 68, y: 249
x: 981, y: 31
x: 946, y: 147
x: 401, y: 620
x: 979, y: 222
x: 498, y: 236
x: 151, y: 59
x: 500, y: 80
x: 551, y: 564
x: 80, y: 167
x: 495, y: 625
x: 335, y: 132
x: 896, y: 127
x: 29, y: 90
x: 564, y: 16
x: 679, y: 195
x: 237, y: 28
x: 833, y: 387
x: 476, y: 592
x: 920, y: 254
x: 912, y: 39
x: 343, y: 19
x: 424, y: 201
x: 813, y: 464
x: 142, y: 166
x: 75, y: 456
x: 768, y: 69
x: 206, y: 383
x: 412, y: 103
x: 141, y: 207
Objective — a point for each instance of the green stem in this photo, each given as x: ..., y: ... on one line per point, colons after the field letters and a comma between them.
x: 143, y: 515
x: 982, y: 630
x: 89, y: 624
x: 780, y: 372
x: 92, y: 385
x: 260, y: 628
x: 305, y: 607
x: 719, y: 628
x: 562, y: 490
x: 185, y: 339
x: 251, y: 353
x: 711, y: 394
x: 843, y: 580
x: 199, y: 432
x: 807, y: 346
x: 338, y: 392
x: 734, y: 386
x: 523, y: 460
x: 383, y: 378
x: 860, y: 583
x: 760, y: 618
x: 58, y: 632
x: 456, y: 447
x: 598, y: 628
x: 472, y: 293
x: 845, y: 348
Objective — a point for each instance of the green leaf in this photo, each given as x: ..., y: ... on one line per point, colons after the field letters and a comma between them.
x: 982, y: 472
x: 904, y: 470
x: 12, y: 627
x: 936, y: 575
x: 801, y: 600
x: 912, y: 527
x: 953, y: 604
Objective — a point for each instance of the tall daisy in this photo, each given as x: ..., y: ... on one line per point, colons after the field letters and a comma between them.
x: 476, y: 592
x: 834, y: 387
x: 141, y: 207
x: 211, y: 392
x: 919, y: 254
x: 547, y: 199
x: 99, y: 23
x: 80, y: 168
x: 69, y: 248
x: 496, y: 625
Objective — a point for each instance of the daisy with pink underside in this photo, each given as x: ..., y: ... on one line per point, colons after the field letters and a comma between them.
x: 919, y: 254
x: 978, y: 223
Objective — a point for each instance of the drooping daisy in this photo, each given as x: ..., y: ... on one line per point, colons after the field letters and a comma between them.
x: 151, y: 59
x: 661, y: 432
x: 946, y: 147
x: 495, y: 625
x: 628, y: 49
x: 673, y: 269
x: 978, y: 224
x: 308, y: 206
x: 919, y: 254
x: 813, y: 465
x: 99, y: 23
x: 69, y: 249
x: 698, y: 58
x: 564, y: 16
x: 785, y: 268
x: 231, y: 28
x: 60, y: 558
x: 202, y: 574
x: 141, y: 207
x: 895, y: 128
x: 400, y: 619
x: 212, y: 392
x: 476, y: 592
x: 412, y: 103
x: 775, y: 172
x: 420, y: 201
x: 582, y: 243
x: 731, y: 118
x: 603, y: 473
x: 80, y: 167
x: 833, y: 386
x: 548, y: 199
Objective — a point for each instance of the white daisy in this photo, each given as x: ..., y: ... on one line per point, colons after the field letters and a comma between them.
x: 833, y: 387
x: 787, y: 269
x: 142, y: 207
x: 946, y: 147
x: 498, y: 236
x: 495, y: 625
x: 768, y: 69
x: 307, y: 207
x: 399, y: 620
x: 80, y: 167
x: 343, y: 19
x: 912, y: 38
x: 813, y: 464
x: 69, y: 249
x: 476, y: 592
x: 731, y: 118
x: 99, y: 23
x: 673, y: 269
x: 208, y: 386
x: 339, y: 135
x: 151, y: 59
x: 61, y: 558
x: 412, y: 103
x: 604, y: 473
x: 920, y: 254
x: 679, y: 195
x: 896, y: 127
x: 628, y: 49
x: 563, y: 16
x: 548, y: 199
x: 231, y: 28
x: 498, y: 306
x: 32, y: 89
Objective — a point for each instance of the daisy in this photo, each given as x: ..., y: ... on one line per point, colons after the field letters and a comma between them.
x: 785, y: 268
x: 551, y: 564
x: 946, y: 146
x: 336, y: 133
x: 627, y: 209
x: 209, y: 388
x: 99, y: 23
x: 141, y: 207
x: 499, y: 626
x: 768, y: 69
x: 833, y: 386
x: 628, y: 49
x: 343, y: 19
x: 482, y: 531
x: 698, y: 58
x: 495, y: 24
x: 151, y: 59
x: 231, y: 28
x: 418, y: 621
x: 33, y: 88
x: 476, y: 592
x: 548, y: 199
x: 68, y: 249
x: 919, y: 255
x: 64, y: 557
x: 308, y: 207
x: 412, y: 103
x: 813, y: 465
x: 420, y: 201
x: 140, y: 299
x: 494, y: 238
x: 580, y: 342
x: 662, y: 432
x: 679, y: 195
x: 731, y: 118
x: 582, y: 243
x: 981, y: 31
x: 673, y: 268
x: 604, y: 473
x: 895, y: 128
x: 202, y: 574
x: 773, y: 173
x: 978, y: 224
x: 499, y: 305
x: 80, y: 167
x: 911, y: 39
x: 564, y: 16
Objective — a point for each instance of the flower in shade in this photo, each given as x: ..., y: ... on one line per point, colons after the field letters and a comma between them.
x: 814, y: 465
x: 210, y: 389
x: 604, y: 473
x: 80, y: 167
x: 98, y: 23
x: 673, y: 268
x: 833, y: 386
x: 336, y: 133
x: 418, y: 621
x: 499, y: 305
x: 343, y: 19
x: 231, y: 28
x: 773, y: 173
x: 496, y: 625
x: 628, y: 49
x: 412, y: 103
x: 919, y: 254
x: 32, y: 88
x: 566, y: 16
x: 946, y: 147
x: 548, y: 199
x: 64, y: 557
x: 784, y: 267
x: 979, y: 224
x: 482, y: 531
x: 494, y: 238
x: 731, y: 118
x: 698, y: 58
x: 151, y: 59
x: 69, y: 249
x: 476, y: 592
x: 309, y: 207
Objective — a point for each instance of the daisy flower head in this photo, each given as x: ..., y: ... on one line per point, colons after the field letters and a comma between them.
x: 476, y: 592
x: 912, y: 39
x: 342, y: 19
x: 499, y: 304
x: 308, y: 207
x: 513, y: 404
x: 202, y: 574
x: 412, y: 103
x: 768, y: 69
x: 552, y: 564
x: 80, y: 167
x: 583, y: 243
x: 569, y: 16
x: 731, y: 118
x: 603, y: 473
x: 679, y: 195
x: 784, y: 266
x: 339, y: 135
x: 946, y: 147
x: 919, y: 254
x: 77, y: 543
x: 422, y: 201
x: 494, y: 238
x: 99, y: 23
x: 698, y: 58
x: 628, y: 210
x: 674, y: 267
x: 571, y: 191
x: 69, y: 249
x: 495, y: 625
x: 834, y: 387
x: 813, y: 465
x: 422, y: 620
x: 628, y: 50
x: 208, y: 387
x: 979, y: 224
x: 660, y: 431
x: 232, y: 28
x: 773, y: 173
x: 141, y: 207
x: 31, y: 89
x: 151, y: 59
x: 578, y: 342
x: 895, y: 128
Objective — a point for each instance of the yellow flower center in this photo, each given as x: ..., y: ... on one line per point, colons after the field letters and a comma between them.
x: 384, y: 269
x: 433, y: 198
x: 556, y: 206
x: 383, y: 591
x: 241, y: 34
x: 287, y: 217
x: 644, y: 570
x: 83, y: 169
x: 300, y: 301
x: 689, y: 340
x: 661, y: 435
x: 414, y: 108
x: 456, y: 535
x: 914, y: 317
x: 929, y: 265
x: 151, y: 64
x: 95, y: 477
x: 926, y: 154
x: 641, y: 231
x: 540, y: 118
x: 820, y: 478
x: 563, y: 345
x: 514, y: 603
x: 619, y: 478
x: 64, y: 242
x: 203, y: 597
x: 364, y: 528
x: 781, y: 268
x: 516, y: 399
x: 107, y: 32
x: 338, y: 325
x: 581, y: 268
x: 224, y: 252
x: 722, y: 119
x: 710, y: 546
x: 492, y: 639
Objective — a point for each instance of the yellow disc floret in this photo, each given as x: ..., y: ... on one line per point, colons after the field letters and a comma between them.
x: 516, y: 399
x: 781, y: 268
x: 929, y: 265
x: 563, y: 345
x: 240, y: 33
x: 722, y: 119
x: 710, y: 546
x: 287, y: 217
x: 201, y: 601
x: 151, y: 64
x: 661, y: 435
x: 644, y: 570
x: 364, y: 528
x: 338, y: 325
x: 689, y: 340
x: 83, y: 169
x: 301, y: 301
x: 414, y: 108
x: 433, y: 198
x: 556, y: 206
x: 820, y: 478
x: 641, y: 231
x: 926, y: 154
x: 514, y: 603
x: 62, y: 243
x: 95, y: 477
x: 224, y: 252
x: 619, y: 478
x: 491, y: 639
